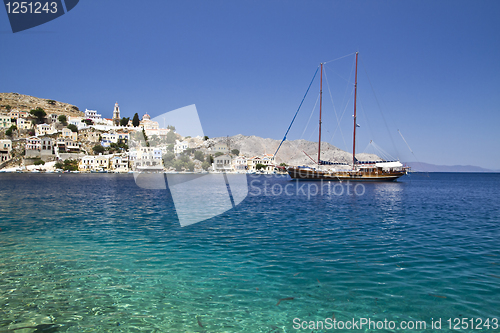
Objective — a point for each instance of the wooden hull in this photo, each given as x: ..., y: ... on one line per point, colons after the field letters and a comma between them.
x: 351, y: 175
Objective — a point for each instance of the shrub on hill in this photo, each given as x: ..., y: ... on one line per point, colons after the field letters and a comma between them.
x: 199, y: 156
x: 98, y: 149
x: 39, y: 114
x: 73, y: 128
x: 62, y: 119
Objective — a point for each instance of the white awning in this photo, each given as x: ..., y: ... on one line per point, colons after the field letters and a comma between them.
x: 389, y: 164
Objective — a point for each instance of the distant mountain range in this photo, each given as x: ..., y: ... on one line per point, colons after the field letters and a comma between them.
x: 426, y: 167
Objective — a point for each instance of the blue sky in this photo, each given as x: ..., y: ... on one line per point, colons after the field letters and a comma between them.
x: 433, y: 66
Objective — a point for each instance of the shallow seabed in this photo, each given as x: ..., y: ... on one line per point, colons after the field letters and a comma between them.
x: 96, y: 253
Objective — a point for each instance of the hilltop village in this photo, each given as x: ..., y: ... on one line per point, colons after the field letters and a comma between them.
x: 39, y: 135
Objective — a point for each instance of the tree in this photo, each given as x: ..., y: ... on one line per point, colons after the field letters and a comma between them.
x: 199, y: 156
x: 39, y: 162
x: 135, y: 120
x: 217, y: 154
x: 73, y: 128
x: 170, y: 147
x: 145, y: 137
x: 283, y: 164
x: 235, y: 152
x: 190, y: 166
x: 62, y: 119
x: 259, y: 166
x: 205, y: 138
x: 171, y: 137
x: 8, y: 107
x: 185, y: 158
x: 169, y: 157
x: 39, y: 113
x: 11, y: 129
x: 178, y: 165
x: 89, y: 122
x: 188, y: 151
x: 50, y: 101
x: 210, y: 159
x: 59, y: 165
x: 124, y: 121
x: 172, y: 128
x: 205, y: 165
x: 70, y: 165
x: 98, y: 149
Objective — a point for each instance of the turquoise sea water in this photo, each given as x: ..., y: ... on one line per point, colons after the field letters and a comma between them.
x: 96, y: 253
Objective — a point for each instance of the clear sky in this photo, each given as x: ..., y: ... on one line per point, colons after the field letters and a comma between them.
x: 433, y: 66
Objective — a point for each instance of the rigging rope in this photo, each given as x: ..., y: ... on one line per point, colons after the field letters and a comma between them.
x: 335, y: 110
x: 385, y: 155
x: 379, y: 108
x: 312, y: 112
x: 350, y: 54
x: 284, y: 138
x: 341, y: 117
x: 411, y: 151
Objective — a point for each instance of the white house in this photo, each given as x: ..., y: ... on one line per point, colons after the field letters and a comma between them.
x: 267, y: 160
x: 77, y: 121
x: 94, y: 163
x: 220, y: 147
x: 5, y: 121
x: 87, y: 163
x: 119, y: 137
x: 67, y: 133
x: 240, y: 164
x: 45, y: 129
x: 119, y: 163
x: 33, y: 147
x: 222, y: 163
x: 18, y: 114
x: 67, y: 145
x: 93, y: 115
x: 102, y: 162
x: 180, y: 146
x: 52, y: 117
x: 46, y: 146
x: 146, y: 158
x: 23, y: 123
x: 33, y: 143
x: 5, y: 148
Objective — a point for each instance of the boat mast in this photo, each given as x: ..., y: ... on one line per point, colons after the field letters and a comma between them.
x: 320, y: 103
x: 355, y: 123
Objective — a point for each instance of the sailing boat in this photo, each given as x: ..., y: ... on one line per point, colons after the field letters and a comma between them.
x: 360, y: 170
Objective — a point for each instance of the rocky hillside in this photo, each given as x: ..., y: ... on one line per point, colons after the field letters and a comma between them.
x: 27, y: 103
x: 291, y: 152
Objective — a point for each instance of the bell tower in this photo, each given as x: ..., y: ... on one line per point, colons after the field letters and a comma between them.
x: 116, y: 115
